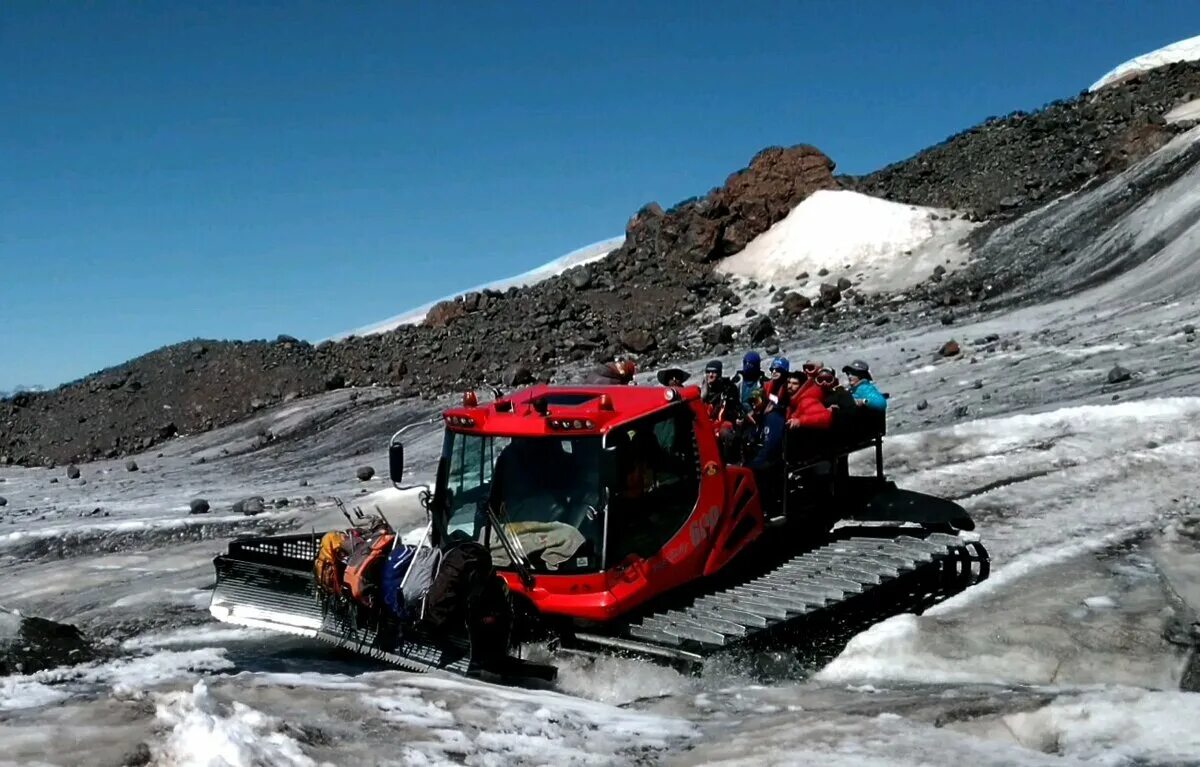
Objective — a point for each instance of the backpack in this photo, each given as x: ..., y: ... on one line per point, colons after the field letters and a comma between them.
x: 330, y: 564
x: 366, y: 558
x: 420, y: 574
x: 461, y: 576
x: 391, y: 579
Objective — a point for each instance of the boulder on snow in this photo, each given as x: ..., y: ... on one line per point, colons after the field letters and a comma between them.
x: 131, y: 465
x: 1119, y: 375
x: 716, y: 335
x: 198, y: 506
x: 72, y: 472
x: 830, y: 294
x: 250, y: 506
x: 795, y: 303
x: 3, y: 501
x: 949, y: 349
x: 364, y: 473
x: 760, y: 329
x: 31, y: 644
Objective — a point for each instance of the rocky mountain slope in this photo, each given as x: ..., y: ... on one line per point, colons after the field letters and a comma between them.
x: 654, y: 298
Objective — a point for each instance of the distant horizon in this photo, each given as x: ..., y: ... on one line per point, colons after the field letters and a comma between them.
x: 236, y: 172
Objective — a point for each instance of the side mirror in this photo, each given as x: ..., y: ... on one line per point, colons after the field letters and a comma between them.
x: 396, y: 460
x: 609, y: 476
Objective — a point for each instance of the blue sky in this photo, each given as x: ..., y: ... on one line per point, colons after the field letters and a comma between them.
x: 241, y: 170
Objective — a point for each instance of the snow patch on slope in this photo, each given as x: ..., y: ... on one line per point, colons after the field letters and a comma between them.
x: 584, y: 255
x: 877, y: 244
x: 1184, y: 50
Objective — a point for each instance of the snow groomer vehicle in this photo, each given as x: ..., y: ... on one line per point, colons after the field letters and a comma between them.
x: 604, y: 519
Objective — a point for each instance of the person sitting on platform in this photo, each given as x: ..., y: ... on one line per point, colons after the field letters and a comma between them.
x: 775, y: 388
x: 764, y: 446
x: 720, y: 396
x: 862, y: 388
x: 749, y: 378
x: 673, y: 377
x: 807, y: 407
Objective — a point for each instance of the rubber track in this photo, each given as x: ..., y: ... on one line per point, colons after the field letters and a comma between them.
x: 913, y: 572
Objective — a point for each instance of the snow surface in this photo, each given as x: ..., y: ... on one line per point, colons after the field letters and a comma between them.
x: 1187, y: 112
x: 1184, y: 50
x: 879, y: 245
x: 584, y: 255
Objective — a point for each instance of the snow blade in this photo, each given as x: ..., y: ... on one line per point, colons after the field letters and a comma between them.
x: 268, y: 583
x: 884, y: 502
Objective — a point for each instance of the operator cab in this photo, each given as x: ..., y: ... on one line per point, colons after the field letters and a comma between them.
x: 571, y: 503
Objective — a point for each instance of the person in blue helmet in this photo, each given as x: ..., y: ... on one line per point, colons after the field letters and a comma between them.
x: 862, y: 388
x: 749, y: 378
x: 775, y: 387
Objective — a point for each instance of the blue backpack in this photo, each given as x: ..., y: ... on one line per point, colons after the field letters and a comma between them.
x: 390, y: 578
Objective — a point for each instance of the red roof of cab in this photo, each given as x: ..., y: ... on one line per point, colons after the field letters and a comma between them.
x: 627, y: 403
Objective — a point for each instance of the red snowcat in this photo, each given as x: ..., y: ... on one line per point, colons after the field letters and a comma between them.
x: 618, y: 526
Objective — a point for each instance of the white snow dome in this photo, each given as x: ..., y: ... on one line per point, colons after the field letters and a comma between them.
x: 1184, y: 50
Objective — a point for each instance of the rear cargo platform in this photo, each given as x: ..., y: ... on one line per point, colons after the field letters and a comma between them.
x: 268, y: 583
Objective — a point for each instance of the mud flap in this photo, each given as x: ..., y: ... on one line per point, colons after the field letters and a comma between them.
x: 268, y: 583
x: 873, y: 500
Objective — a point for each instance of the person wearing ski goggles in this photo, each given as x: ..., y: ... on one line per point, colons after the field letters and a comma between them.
x: 807, y: 400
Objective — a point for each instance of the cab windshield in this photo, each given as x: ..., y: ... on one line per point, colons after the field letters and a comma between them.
x: 546, y: 491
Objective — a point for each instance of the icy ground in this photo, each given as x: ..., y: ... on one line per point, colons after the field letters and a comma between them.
x: 1078, y: 650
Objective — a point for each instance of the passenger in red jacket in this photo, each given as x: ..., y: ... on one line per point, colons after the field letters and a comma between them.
x: 807, y: 408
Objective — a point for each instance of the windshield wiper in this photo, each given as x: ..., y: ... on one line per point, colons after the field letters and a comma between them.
x: 516, y: 555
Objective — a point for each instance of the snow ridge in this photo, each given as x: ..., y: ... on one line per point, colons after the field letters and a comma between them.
x: 1184, y: 50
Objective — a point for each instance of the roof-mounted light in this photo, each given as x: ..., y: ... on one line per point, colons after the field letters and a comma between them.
x: 570, y: 424
x: 606, y: 402
x: 670, y: 394
x: 469, y: 399
x: 460, y: 420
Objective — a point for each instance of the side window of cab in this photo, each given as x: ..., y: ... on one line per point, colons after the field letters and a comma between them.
x: 658, y: 482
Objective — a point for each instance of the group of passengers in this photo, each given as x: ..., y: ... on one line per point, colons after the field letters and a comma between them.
x: 753, y: 410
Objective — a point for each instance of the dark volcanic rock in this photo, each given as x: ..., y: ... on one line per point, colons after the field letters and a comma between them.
x: 638, y: 341
x: 365, y: 473
x: 517, y: 375
x: 3, y: 501
x: 949, y: 349
x: 250, y: 506
x: 760, y: 329
x: 131, y: 465
x: 1007, y: 165
x: 72, y: 472
x: 1119, y: 375
x: 794, y: 303
x: 198, y: 506
x: 716, y: 335
x: 30, y: 644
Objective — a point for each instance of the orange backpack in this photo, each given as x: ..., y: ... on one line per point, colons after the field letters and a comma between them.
x: 330, y: 564
x: 363, y: 564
